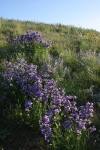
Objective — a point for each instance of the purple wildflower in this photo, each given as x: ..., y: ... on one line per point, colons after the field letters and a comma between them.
x: 28, y: 104
x: 33, y: 37
x: 92, y: 129
x: 45, y: 127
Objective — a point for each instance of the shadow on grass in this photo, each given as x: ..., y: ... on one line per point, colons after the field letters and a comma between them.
x: 20, y: 138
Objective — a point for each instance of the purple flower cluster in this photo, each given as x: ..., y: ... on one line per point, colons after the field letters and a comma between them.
x: 28, y: 104
x: 82, y: 117
x: 45, y: 127
x: 62, y: 105
x: 55, y: 102
x: 92, y: 129
x: 28, y: 38
x: 33, y: 36
x: 25, y: 76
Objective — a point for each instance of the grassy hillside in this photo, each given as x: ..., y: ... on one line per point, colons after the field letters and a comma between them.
x: 62, y: 37
x: 79, y: 48
x: 72, y: 61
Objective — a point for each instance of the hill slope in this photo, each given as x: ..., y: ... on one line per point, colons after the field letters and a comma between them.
x: 62, y: 37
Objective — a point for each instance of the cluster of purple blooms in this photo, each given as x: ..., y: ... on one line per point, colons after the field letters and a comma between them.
x: 28, y: 104
x: 25, y: 76
x: 54, y: 100
x: 33, y: 37
x: 45, y: 127
x: 28, y: 38
x: 82, y: 118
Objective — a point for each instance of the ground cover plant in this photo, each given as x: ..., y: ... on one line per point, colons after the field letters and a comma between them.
x: 52, y: 92
x: 50, y: 107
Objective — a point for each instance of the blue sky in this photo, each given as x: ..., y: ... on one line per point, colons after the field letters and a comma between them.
x: 80, y: 13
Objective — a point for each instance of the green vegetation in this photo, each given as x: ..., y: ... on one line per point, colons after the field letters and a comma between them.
x: 73, y: 60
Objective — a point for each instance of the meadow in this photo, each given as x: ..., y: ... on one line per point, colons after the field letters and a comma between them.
x: 49, y: 86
